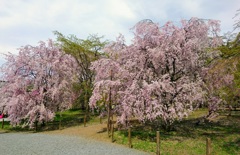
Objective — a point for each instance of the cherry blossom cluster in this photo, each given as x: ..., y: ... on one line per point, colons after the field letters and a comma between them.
x: 157, y: 77
x: 38, y: 83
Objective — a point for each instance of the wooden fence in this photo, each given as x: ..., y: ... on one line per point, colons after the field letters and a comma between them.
x: 208, y: 143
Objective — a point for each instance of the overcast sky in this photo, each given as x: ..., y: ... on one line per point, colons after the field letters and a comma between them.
x: 25, y: 22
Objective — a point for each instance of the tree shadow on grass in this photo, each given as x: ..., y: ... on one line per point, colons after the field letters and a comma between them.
x: 66, y: 122
x: 103, y: 130
x: 191, y: 128
x: 232, y: 146
x: 223, y: 127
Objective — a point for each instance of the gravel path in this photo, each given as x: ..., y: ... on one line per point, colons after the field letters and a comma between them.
x: 44, y: 144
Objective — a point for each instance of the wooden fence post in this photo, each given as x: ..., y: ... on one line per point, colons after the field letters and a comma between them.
x: 129, y: 138
x: 158, y: 143
x: 109, y: 128
x: 2, y: 123
x: 85, y: 119
x: 208, y: 146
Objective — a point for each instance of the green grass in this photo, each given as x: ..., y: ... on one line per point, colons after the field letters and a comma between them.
x: 77, y: 115
x: 69, y: 115
x: 198, y: 113
x: 7, y: 126
x: 189, y: 137
x: 72, y: 117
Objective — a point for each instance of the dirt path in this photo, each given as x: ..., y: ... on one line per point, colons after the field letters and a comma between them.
x: 79, y: 140
x: 23, y: 143
x: 92, y: 131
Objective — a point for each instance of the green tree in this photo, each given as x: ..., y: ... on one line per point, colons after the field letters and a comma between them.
x: 224, y: 74
x: 84, y: 51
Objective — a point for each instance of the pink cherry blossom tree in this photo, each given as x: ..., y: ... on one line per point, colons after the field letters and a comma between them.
x: 39, y: 81
x: 157, y: 77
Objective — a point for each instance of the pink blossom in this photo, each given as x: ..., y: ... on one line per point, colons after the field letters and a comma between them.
x: 39, y: 83
x: 157, y: 77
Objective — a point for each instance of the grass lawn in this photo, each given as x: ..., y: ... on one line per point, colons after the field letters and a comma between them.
x: 189, y: 138
x: 72, y: 117
x: 6, y: 126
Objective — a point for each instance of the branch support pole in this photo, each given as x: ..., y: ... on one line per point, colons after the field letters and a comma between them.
x: 208, y: 146
x: 2, y: 123
x: 129, y: 138
x: 158, y: 143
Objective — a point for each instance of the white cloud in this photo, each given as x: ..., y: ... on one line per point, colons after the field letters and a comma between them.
x: 119, y: 9
x: 27, y: 22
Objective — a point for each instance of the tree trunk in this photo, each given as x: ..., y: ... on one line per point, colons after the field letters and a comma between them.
x: 109, y: 120
x: 109, y: 107
x: 230, y: 110
x: 60, y: 121
x: 36, y: 126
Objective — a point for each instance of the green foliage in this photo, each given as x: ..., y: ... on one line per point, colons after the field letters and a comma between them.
x: 84, y: 51
x: 232, y: 48
x: 231, y: 53
x: 224, y: 73
x: 237, y: 75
